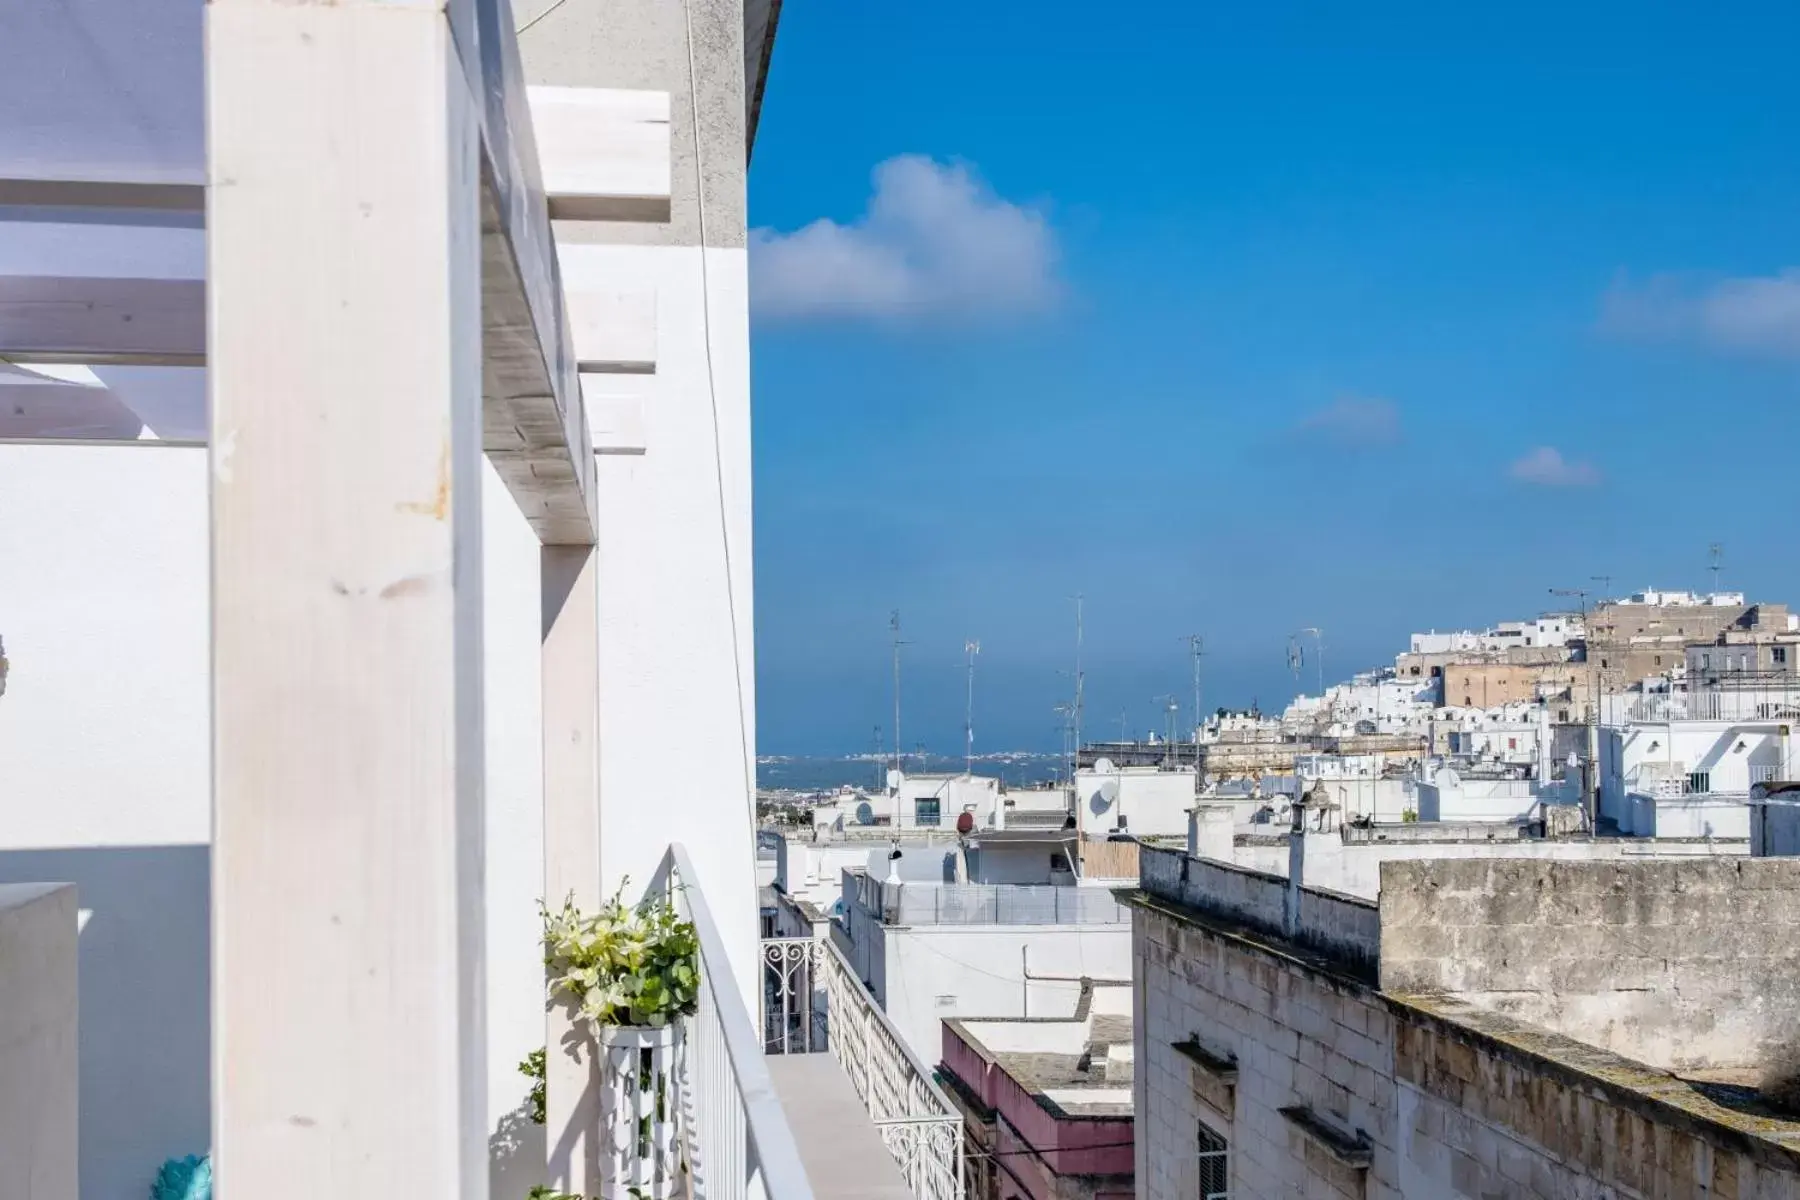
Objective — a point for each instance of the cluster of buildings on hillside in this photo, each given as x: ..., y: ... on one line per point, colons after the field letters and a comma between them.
x: 1455, y: 928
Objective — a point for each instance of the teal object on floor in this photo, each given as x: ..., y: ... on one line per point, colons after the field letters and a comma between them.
x: 187, y: 1178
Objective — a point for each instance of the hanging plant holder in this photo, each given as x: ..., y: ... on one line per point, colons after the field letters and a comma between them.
x: 633, y: 975
x: 639, y: 1110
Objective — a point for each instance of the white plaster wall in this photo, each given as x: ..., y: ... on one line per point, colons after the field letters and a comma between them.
x: 38, y: 1043
x: 512, y: 678
x: 103, y: 608
x: 934, y: 972
x: 1154, y: 803
x: 105, y: 783
x: 1029, y: 862
x: 1639, y: 753
x: 677, y: 668
x: 1690, y: 817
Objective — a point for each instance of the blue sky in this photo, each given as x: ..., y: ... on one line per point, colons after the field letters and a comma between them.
x: 1242, y: 318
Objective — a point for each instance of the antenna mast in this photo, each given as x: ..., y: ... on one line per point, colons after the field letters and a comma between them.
x: 899, y: 746
x: 1717, y: 553
x: 970, y: 648
x: 1197, y: 649
x: 1079, y: 684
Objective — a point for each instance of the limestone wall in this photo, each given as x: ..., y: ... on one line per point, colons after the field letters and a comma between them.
x: 1682, y: 965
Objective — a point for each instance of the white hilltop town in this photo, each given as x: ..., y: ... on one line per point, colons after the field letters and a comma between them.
x: 375, y: 515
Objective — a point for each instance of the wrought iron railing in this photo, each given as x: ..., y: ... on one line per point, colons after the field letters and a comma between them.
x: 813, y: 1002
x: 738, y: 1141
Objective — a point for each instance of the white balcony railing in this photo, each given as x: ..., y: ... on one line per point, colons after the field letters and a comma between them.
x: 814, y: 1002
x: 737, y: 1137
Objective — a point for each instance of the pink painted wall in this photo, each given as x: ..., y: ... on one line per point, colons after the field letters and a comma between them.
x: 1069, y: 1146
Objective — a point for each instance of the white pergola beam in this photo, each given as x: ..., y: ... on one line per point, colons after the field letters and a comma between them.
x: 155, y: 322
x: 168, y: 194
x: 605, y: 152
x: 345, y: 250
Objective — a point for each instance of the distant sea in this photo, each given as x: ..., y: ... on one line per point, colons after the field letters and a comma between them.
x: 812, y: 773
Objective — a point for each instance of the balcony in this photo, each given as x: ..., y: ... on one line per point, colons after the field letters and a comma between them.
x: 826, y: 1103
x: 834, y: 1052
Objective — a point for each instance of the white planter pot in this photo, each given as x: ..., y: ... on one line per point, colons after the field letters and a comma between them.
x: 639, y: 1111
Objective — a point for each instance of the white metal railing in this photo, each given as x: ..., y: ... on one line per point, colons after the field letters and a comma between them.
x: 738, y: 1141
x: 814, y: 1002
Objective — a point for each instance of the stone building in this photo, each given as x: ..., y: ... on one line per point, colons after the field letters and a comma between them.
x: 1648, y: 633
x: 1489, y: 1028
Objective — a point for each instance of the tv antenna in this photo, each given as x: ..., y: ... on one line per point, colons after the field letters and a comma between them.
x: 970, y: 648
x: 1318, y: 637
x: 1716, y: 552
x: 1080, y: 681
x: 899, y: 751
x: 1197, y: 651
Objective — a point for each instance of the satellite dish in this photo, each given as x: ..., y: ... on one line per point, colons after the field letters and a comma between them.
x: 865, y: 813
x: 965, y: 823
x: 1109, y: 791
x: 894, y: 779
x: 1104, y: 766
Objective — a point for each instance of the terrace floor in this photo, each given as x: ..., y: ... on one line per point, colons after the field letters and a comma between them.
x: 840, y: 1147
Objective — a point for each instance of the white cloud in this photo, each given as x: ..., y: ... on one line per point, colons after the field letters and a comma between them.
x: 1546, y: 467
x: 934, y: 242
x: 1756, y: 314
x: 1353, y: 421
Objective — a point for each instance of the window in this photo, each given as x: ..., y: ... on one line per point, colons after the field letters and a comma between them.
x: 1705, y: 662
x: 1215, y: 1166
x: 1699, y: 783
x: 925, y: 812
x: 1059, y: 861
x: 1778, y: 655
x: 1512, y: 743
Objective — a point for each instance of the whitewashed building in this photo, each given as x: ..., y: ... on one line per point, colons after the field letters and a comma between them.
x: 340, y: 346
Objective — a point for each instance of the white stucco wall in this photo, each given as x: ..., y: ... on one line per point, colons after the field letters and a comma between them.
x: 38, y: 1042
x: 933, y: 972
x: 677, y: 666
x: 1153, y: 803
x: 105, y: 744
x: 1635, y: 756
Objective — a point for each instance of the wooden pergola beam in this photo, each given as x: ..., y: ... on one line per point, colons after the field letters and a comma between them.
x: 156, y: 322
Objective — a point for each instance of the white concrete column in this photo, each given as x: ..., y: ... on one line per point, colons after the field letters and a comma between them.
x: 571, y: 847
x: 345, y: 375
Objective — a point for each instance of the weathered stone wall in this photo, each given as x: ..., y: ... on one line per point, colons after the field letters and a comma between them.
x: 1345, y: 927
x: 1682, y: 965
x: 1481, y: 1119
x: 1472, y: 1105
x: 1299, y: 1037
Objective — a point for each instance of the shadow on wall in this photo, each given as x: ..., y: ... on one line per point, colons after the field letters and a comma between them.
x: 516, y: 1154
x: 144, y: 1079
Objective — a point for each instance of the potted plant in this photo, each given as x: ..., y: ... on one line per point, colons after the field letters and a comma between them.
x: 630, y: 973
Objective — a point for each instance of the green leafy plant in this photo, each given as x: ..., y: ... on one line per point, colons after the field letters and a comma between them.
x: 1409, y: 816
x: 532, y: 1068
x: 623, y: 965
